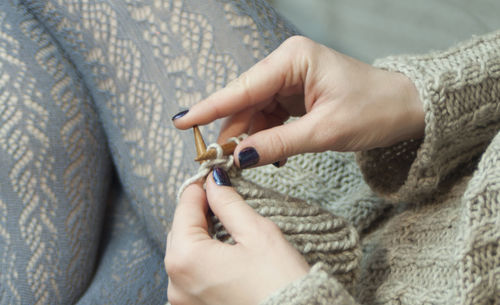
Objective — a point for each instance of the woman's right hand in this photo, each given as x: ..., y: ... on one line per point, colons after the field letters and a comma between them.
x: 343, y: 104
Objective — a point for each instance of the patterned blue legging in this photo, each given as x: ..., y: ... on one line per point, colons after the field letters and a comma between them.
x: 89, y: 160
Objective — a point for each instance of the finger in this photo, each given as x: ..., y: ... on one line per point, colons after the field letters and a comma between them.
x: 176, y: 295
x: 251, y: 121
x: 279, y: 163
x: 169, y: 240
x: 263, y: 121
x: 260, y: 83
x: 280, y: 142
x: 235, y: 125
x: 235, y: 214
x: 190, y: 214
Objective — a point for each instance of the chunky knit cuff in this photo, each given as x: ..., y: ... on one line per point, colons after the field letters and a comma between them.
x: 316, y: 288
x: 460, y: 90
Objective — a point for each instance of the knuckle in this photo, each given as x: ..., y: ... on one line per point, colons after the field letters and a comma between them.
x: 177, y: 263
x: 216, y: 110
x: 281, y: 146
x: 243, y: 85
x: 246, y: 85
x: 174, y: 297
x: 266, y: 61
x: 298, y: 46
x: 272, y: 233
x: 270, y: 227
x: 296, y: 41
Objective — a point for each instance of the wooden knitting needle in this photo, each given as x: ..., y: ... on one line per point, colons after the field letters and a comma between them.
x: 227, y: 149
x: 201, y: 147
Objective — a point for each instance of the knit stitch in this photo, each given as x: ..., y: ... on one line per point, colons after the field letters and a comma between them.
x: 317, y: 234
x: 438, y: 242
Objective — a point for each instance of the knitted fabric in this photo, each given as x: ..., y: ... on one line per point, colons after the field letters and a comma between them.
x: 459, y: 88
x: 331, y: 180
x: 325, y: 289
x: 317, y: 234
x: 438, y: 241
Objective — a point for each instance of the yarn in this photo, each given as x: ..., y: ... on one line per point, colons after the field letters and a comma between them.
x: 320, y: 236
x: 225, y: 162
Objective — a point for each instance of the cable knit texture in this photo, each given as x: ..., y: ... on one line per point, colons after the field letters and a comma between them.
x: 460, y: 92
x: 440, y: 243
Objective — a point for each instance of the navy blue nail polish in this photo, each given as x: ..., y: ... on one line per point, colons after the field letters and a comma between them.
x: 221, y: 177
x: 180, y: 114
x: 248, y: 157
x: 276, y: 164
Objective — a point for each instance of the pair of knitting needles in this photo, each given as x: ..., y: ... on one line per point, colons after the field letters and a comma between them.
x: 201, y: 147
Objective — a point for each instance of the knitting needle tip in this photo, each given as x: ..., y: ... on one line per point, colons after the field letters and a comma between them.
x: 201, y: 147
x: 227, y: 149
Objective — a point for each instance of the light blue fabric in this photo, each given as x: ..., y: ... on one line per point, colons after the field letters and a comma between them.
x: 89, y: 160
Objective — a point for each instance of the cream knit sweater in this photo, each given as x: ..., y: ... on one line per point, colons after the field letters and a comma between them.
x: 431, y: 235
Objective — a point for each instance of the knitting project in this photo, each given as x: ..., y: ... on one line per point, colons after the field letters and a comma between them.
x: 225, y: 162
x: 317, y: 234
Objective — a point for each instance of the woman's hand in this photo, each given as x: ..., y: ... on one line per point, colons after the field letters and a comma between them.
x: 344, y: 104
x: 202, y: 270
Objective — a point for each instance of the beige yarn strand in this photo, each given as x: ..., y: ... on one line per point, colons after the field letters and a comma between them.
x: 225, y: 162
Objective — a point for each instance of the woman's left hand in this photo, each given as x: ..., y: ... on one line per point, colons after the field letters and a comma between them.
x: 203, y: 270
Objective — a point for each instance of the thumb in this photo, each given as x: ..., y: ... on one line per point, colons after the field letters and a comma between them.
x: 278, y: 143
x: 235, y: 214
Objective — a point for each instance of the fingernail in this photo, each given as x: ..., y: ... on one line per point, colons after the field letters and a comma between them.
x: 276, y: 164
x: 180, y: 115
x: 248, y: 157
x: 221, y: 177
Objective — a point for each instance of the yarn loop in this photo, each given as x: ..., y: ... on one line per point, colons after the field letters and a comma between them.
x: 225, y: 162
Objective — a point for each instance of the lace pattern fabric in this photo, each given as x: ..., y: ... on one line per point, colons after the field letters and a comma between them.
x: 88, y: 84
x: 55, y: 168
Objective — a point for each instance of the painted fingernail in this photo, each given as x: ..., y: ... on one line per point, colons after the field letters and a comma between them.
x: 276, y: 164
x: 221, y: 177
x: 180, y: 115
x: 248, y: 157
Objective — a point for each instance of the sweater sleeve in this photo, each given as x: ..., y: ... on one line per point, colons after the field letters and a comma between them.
x: 316, y: 288
x: 460, y: 91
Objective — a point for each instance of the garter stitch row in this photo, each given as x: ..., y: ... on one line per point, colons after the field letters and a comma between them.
x: 318, y: 235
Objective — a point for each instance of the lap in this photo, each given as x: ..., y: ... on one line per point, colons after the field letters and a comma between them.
x: 54, y: 168
x: 79, y: 78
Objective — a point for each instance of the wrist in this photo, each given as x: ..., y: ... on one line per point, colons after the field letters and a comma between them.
x: 416, y: 109
x: 412, y: 119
